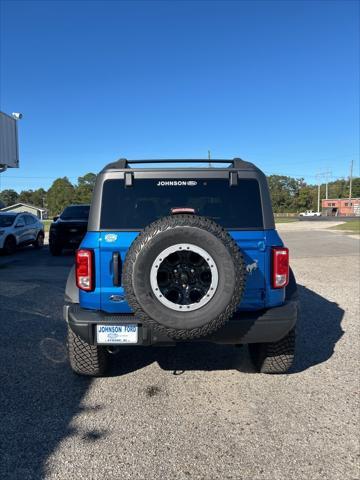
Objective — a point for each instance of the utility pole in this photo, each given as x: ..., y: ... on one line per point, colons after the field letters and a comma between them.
x: 209, y: 157
x: 327, y: 176
x: 323, y: 176
x: 318, y: 177
x: 350, y: 181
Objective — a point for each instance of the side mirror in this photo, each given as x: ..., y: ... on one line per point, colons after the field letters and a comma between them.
x: 55, y: 218
x: 20, y: 224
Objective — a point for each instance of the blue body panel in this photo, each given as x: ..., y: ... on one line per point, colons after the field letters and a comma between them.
x: 255, y: 246
x: 121, y: 245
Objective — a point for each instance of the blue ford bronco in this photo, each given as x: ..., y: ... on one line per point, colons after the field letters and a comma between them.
x: 178, y: 251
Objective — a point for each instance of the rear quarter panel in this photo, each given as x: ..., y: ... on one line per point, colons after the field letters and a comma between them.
x: 256, y: 248
x: 111, y: 242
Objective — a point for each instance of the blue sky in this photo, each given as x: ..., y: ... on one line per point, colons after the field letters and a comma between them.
x: 274, y: 82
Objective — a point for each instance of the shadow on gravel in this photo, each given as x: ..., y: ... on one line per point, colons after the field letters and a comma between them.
x: 181, y: 358
x: 39, y: 396
x: 318, y: 329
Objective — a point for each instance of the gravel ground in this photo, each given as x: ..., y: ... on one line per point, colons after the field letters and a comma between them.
x: 186, y: 412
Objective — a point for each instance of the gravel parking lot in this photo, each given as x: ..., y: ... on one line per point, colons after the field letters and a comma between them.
x: 190, y: 412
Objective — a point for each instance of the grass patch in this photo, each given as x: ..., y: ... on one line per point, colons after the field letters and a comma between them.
x: 286, y: 219
x: 352, y: 226
x: 47, y: 224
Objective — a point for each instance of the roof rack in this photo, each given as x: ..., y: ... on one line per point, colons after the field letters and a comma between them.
x: 123, y: 163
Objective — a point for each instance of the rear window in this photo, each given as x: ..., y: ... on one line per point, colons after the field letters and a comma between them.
x: 76, y: 212
x: 133, y: 208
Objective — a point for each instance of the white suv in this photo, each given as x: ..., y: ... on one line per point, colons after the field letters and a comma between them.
x: 17, y: 229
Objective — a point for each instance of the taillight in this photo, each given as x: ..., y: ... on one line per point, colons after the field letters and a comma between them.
x: 84, y: 270
x: 280, y: 267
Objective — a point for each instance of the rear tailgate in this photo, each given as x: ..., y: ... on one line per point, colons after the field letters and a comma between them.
x: 112, y: 296
x: 253, y: 247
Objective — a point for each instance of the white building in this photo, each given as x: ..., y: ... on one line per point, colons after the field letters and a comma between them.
x: 23, y: 207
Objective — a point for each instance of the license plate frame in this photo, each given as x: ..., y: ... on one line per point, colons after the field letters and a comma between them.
x: 124, y: 334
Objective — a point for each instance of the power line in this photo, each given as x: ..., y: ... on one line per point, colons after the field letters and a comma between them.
x: 37, y: 178
x: 350, y: 180
x: 306, y: 160
x: 301, y: 175
x: 322, y: 176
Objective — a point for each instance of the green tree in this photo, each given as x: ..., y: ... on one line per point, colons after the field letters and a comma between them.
x: 284, y: 191
x: 338, y: 189
x: 39, y: 198
x: 356, y: 187
x: 26, y: 196
x: 84, y: 188
x: 60, y: 194
x: 305, y: 199
x: 9, y: 197
x: 33, y: 197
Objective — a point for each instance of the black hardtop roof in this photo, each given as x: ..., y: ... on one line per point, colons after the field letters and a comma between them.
x: 130, y: 171
x: 235, y: 163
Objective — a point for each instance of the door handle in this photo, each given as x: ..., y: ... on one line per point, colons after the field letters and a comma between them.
x: 116, y: 268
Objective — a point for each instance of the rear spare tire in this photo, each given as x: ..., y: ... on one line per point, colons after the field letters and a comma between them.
x: 184, y: 276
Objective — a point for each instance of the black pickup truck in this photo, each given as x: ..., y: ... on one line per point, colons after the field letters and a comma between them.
x: 68, y: 229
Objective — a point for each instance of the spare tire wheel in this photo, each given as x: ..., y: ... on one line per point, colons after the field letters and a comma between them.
x: 184, y: 276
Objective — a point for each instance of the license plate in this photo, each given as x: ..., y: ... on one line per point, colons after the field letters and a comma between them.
x: 115, y: 334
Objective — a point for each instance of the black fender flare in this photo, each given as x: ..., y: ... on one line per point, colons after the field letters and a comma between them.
x: 291, y: 291
x: 71, y: 290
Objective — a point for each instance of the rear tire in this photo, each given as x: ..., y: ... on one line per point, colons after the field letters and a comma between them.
x: 9, y: 245
x: 275, y: 357
x: 85, y: 359
x: 39, y: 242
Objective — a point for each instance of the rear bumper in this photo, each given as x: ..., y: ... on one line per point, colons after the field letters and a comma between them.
x: 267, y: 325
x: 66, y: 238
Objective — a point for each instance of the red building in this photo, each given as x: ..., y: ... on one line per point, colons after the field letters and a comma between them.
x: 341, y: 207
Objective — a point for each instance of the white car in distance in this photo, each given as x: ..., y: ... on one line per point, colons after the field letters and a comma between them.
x: 310, y: 213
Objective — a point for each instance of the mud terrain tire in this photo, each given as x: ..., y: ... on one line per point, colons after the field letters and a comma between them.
x: 85, y: 359
x: 275, y: 357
